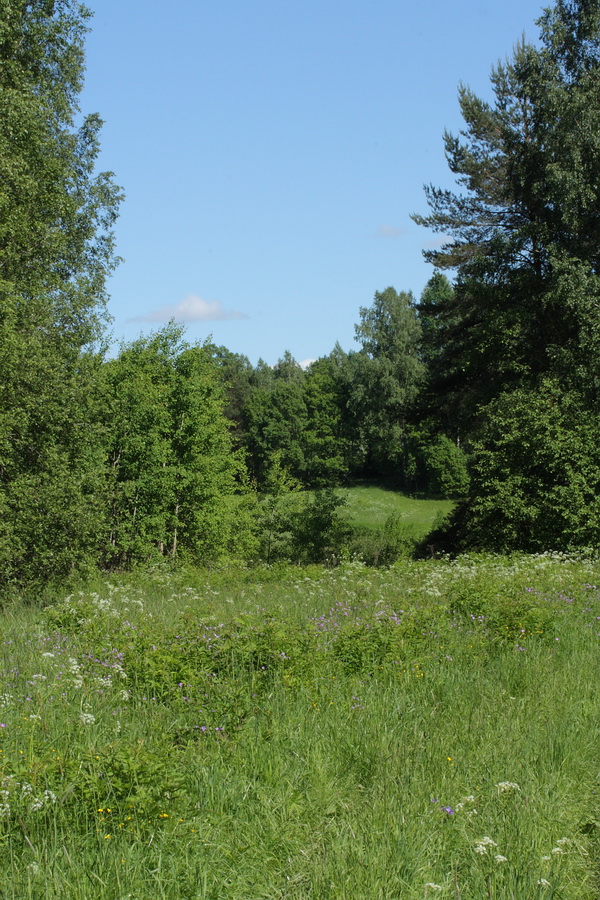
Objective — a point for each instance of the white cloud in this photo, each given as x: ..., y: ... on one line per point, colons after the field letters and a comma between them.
x: 191, y: 309
x: 306, y: 363
x: 389, y: 231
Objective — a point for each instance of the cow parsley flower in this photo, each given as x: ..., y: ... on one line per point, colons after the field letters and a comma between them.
x: 484, y: 844
x: 507, y: 786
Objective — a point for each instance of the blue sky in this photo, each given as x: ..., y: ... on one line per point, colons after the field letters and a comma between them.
x: 271, y: 153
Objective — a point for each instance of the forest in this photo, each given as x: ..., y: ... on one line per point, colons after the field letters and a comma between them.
x: 484, y: 389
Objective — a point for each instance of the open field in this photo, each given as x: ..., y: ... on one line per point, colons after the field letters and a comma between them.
x: 370, y: 506
x: 431, y: 730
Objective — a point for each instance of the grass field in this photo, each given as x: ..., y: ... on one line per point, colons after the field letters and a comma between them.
x: 370, y: 506
x: 431, y: 730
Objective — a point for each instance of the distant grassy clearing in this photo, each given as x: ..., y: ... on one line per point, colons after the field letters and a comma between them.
x: 371, y: 506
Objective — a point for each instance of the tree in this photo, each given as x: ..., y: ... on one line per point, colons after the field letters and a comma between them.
x: 325, y: 450
x: 172, y: 475
x: 535, y: 473
x: 525, y: 244
x: 56, y: 251
x: 525, y: 232
x: 276, y: 418
x: 384, y: 378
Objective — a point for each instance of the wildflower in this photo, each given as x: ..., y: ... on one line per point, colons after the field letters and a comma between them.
x: 542, y: 882
x: 556, y: 851
x: 33, y: 868
x: 87, y: 718
x: 563, y: 842
x: 36, y: 718
x: 448, y: 809
x: 500, y: 859
x: 507, y: 786
x: 4, y: 810
x: 483, y: 845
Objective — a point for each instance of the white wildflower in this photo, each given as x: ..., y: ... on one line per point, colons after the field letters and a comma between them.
x: 43, y: 801
x: 546, y: 858
x: 556, y: 851
x: 5, y: 699
x: 35, y: 717
x: 33, y: 868
x: 120, y: 671
x: 4, y: 810
x: 484, y: 844
x: 500, y: 859
x: 542, y: 882
x: 26, y: 788
x: 38, y: 678
x: 124, y: 695
x: 563, y: 842
x: 506, y: 786
x: 87, y: 718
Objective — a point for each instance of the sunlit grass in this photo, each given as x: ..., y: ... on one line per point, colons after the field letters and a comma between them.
x: 370, y: 506
x: 431, y: 730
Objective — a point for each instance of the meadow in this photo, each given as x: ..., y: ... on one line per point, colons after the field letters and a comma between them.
x: 368, y: 505
x: 428, y: 730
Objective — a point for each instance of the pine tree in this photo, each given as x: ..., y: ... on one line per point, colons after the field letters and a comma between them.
x: 524, y: 318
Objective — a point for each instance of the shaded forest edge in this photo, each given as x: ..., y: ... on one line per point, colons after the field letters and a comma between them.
x: 483, y: 390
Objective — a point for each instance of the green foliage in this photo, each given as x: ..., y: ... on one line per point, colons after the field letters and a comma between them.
x: 172, y: 473
x: 276, y: 418
x: 524, y: 241
x: 56, y: 251
x: 302, y: 527
x: 382, y: 381
x: 384, y: 544
x: 536, y: 474
x: 445, y: 467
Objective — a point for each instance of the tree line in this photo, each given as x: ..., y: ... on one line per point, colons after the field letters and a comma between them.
x: 485, y: 389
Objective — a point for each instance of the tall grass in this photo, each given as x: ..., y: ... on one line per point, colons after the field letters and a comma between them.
x: 427, y: 731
